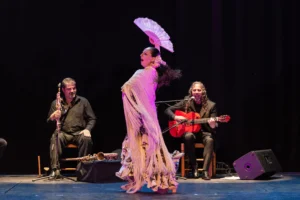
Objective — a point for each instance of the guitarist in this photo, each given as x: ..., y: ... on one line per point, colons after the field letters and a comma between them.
x: 197, y: 101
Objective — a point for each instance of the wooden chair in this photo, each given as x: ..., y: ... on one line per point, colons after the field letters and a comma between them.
x: 184, y: 162
x: 69, y: 146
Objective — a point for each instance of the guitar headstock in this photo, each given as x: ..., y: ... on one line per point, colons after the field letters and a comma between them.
x: 224, y: 118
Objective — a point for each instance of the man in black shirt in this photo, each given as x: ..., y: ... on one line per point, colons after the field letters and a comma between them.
x: 198, y: 102
x: 3, y: 145
x: 77, y: 121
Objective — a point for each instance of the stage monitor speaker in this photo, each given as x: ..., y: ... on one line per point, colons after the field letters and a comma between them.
x: 260, y: 164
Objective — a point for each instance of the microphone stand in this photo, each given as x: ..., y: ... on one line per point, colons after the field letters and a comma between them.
x: 58, y: 126
x: 169, y: 101
x: 169, y: 128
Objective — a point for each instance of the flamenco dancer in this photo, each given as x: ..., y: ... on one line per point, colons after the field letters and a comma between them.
x: 145, y: 157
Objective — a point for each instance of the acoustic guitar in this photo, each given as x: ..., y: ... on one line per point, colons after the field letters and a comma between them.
x: 193, y: 123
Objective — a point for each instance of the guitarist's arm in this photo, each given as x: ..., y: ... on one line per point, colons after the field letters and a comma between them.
x: 178, y: 106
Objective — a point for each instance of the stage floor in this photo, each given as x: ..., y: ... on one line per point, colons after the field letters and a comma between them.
x: 280, y: 186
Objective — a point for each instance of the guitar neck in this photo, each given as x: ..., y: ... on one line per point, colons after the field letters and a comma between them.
x: 203, y: 120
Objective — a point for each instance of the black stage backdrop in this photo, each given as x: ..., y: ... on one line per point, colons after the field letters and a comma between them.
x: 245, y: 52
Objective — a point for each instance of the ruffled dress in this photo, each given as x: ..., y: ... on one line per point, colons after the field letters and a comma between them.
x: 145, y: 158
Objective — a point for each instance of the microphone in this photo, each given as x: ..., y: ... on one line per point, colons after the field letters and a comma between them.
x: 192, y: 97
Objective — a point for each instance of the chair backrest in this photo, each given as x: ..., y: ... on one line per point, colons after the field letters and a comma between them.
x: 199, y: 145
x: 71, y: 146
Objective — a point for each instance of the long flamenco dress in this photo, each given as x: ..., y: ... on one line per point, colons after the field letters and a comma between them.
x: 145, y: 158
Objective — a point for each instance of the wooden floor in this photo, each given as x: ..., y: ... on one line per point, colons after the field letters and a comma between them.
x: 280, y: 186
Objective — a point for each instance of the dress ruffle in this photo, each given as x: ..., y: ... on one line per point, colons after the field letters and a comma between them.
x: 156, y: 181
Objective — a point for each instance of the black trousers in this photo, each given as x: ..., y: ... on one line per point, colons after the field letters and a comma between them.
x: 85, y: 146
x: 3, y: 145
x: 189, y: 143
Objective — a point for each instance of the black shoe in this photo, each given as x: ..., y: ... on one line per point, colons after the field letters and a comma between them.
x: 205, y: 176
x: 52, y: 174
x: 55, y: 173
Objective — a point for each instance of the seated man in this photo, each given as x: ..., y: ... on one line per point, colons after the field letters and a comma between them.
x: 75, y: 120
x: 197, y: 101
x: 3, y: 145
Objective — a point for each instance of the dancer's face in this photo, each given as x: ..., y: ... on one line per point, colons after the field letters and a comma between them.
x: 146, y: 58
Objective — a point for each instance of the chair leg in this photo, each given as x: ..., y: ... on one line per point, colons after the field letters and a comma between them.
x: 214, y: 165
x: 210, y: 169
x: 39, y: 167
x: 182, y: 162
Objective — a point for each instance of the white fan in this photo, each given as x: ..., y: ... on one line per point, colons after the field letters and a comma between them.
x: 156, y: 33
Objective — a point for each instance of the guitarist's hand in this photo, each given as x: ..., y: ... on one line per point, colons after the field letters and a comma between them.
x: 212, y: 123
x: 179, y: 118
x: 86, y: 133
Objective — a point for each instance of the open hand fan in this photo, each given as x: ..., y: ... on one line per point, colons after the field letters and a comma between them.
x: 155, y: 32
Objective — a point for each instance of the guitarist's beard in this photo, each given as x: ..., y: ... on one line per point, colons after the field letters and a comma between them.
x: 197, y: 99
